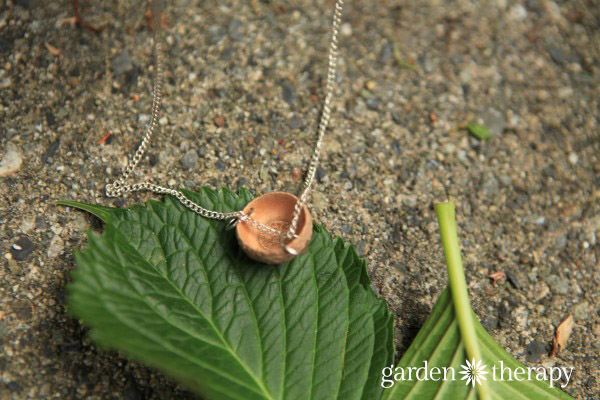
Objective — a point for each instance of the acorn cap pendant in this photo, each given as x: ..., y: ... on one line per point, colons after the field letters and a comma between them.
x: 276, y: 210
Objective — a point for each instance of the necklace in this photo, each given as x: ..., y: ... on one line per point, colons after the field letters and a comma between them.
x: 272, y: 228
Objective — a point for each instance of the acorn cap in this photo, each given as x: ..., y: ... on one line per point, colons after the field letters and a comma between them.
x: 275, y: 209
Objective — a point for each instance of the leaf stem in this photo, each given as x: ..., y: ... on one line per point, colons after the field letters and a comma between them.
x: 458, y: 286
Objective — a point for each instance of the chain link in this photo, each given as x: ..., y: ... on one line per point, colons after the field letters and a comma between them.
x: 324, y: 122
x: 120, y: 187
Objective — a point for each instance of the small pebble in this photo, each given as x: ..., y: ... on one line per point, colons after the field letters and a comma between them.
x: 573, y: 158
x: 397, y: 236
x: 535, y: 350
x: 5, y: 83
x: 216, y: 34
x: 543, y: 292
x: 386, y: 53
x: 558, y: 285
x: 565, y: 92
x: 582, y: 311
x: 536, y: 219
x: 506, y: 180
x: 234, y: 29
x: 520, y: 317
x: 288, y: 93
x: 242, y: 182
x: 319, y: 201
x: 361, y: 248
x: 220, y: 165
x: 512, y: 279
x: 27, y: 224
x: 190, y: 159
x: 494, y: 121
x: 22, y: 248
x: 296, y: 123
x: 557, y: 55
x: 490, y: 323
x: 373, y: 103
x: 50, y: 150
x: 320, y: 173
x: 153, y: 159
x: 11, y: 161
x: 517, y: 12
x: 144, y: 119
x: 219, y: 121
x: 397, y: 117
x: 346, y: 29
x: 50, y: 120
x: 40, y: 222
x: 490, y: 185
x: 560, y: 242
x: 122, y: 63
x: 56, y: 247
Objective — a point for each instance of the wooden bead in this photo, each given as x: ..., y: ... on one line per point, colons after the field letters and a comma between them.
x: 276, y: 210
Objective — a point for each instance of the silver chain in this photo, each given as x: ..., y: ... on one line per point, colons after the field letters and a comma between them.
x: 119, y: 187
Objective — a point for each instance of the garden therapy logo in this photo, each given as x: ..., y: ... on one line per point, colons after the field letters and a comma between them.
x: 474, y: 372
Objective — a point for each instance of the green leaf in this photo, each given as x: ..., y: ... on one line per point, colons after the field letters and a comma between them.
x: 439, y: 342
x: 102, y: 212
x: 481, y: 132
x: 170, y: 288
x: 451, y: 335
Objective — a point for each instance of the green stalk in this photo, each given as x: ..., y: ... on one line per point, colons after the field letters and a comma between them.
x: 458, y: 286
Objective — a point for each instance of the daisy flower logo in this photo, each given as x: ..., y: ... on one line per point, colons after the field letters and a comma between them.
x: 473, y: 372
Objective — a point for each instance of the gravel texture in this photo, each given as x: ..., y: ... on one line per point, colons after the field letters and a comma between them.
x: 243, y: 94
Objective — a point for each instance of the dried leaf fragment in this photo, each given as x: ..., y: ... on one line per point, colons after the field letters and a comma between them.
x: 496, y: 276
x: 53, y: 50
x: 70, y: 21
x: 563, y: 331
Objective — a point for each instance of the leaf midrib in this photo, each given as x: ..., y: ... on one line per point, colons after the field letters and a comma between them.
x: 241, y: 280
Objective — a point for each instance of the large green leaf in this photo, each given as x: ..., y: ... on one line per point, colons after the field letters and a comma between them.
x: 439, y: 342
x: 172, y: 289
x: 452, y: 335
